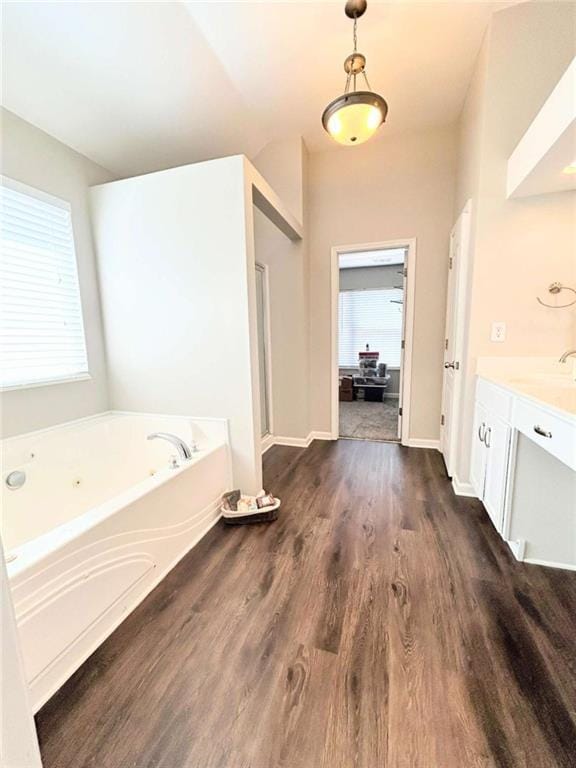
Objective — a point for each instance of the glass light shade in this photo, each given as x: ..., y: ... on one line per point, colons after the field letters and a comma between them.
x: 570, y: 168
x: 354, y: 117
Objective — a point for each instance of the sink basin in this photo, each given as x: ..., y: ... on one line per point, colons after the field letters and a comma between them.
x: 549, y: 380
x: 559, y: 392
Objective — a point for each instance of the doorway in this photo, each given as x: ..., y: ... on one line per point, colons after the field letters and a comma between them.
x: 372, y: 300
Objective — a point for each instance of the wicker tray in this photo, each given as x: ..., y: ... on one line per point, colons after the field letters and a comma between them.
x: 265, y: 515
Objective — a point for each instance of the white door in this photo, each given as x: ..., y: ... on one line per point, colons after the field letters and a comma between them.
x: 497, y: 442
x: 454, y: 340
x: 447, y: 437
x: 261, y: 315
x: 479, y: 450
x: 402, y: 275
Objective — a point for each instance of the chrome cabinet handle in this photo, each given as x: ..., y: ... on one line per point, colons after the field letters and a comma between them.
x: 541, y: 431
x: 487, y: 434
x: 480, y: 433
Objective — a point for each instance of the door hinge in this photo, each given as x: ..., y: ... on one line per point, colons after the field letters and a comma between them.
x: 400, y: 411
x: 403, y: 344
x: 405, y: 271
x: 442, y: 420
x: 445, y: 343
x: 450, y: 262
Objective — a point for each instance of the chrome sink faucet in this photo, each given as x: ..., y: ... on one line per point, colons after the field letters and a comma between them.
x: 566, y: 355
x: 184, y: 451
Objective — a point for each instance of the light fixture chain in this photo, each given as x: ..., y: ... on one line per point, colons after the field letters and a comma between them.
x: 355, y: 34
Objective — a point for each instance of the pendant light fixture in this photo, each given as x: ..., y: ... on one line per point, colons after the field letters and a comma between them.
x: 355, y: 116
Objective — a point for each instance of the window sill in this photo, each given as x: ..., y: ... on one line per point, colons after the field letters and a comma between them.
x: 47, y: 383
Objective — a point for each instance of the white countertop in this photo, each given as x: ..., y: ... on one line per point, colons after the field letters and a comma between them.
x: 543, y: 380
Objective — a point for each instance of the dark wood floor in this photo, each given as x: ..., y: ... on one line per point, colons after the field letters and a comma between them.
x: 379, y: 623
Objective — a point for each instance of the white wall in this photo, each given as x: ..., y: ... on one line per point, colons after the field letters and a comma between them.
x: 179, y: 299
x: 176, y: 258
x: 385, y: 190
x: 288, y: 327
x: 284, y: 165
x: 519, y: 246
x: 522, y: 245
x: 35, y: 158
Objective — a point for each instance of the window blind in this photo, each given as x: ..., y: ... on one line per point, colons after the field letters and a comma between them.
x: 369, y: 317
x: 41, y: 327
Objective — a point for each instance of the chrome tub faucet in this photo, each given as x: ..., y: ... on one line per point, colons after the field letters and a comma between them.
x: 566, y: 355
x: 184, y: 452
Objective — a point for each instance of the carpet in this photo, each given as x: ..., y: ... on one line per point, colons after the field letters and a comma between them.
x: 369, y: 421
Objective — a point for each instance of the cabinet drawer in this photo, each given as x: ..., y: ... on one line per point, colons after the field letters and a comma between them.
x: 496, y: 400
x: 559, y: 436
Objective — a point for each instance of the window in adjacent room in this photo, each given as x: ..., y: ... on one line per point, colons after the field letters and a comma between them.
x: 373, y: 318
x: 41, y: 327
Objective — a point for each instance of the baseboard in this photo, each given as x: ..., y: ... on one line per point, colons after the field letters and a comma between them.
x: 550, y: 564
x: 322, y: 436
x: 462, y: 489
x: 517, y: 547
x: 304, y: 442
x: 267, y: 442
x: 294, y: 442
x: 416, y: 442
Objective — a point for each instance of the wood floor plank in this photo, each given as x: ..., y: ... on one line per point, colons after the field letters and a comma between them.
x: 357, y: 733
x: 380, y: 622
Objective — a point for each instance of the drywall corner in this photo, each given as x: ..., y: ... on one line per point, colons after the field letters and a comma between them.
x: 282, y: 163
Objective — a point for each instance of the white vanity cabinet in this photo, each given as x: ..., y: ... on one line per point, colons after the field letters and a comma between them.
x: 498, y: 442
x: 479, y: 450
x: 491, y: 450
x: 524, y: 464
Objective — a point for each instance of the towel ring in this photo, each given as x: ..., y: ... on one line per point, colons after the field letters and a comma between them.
x: 554, y: 289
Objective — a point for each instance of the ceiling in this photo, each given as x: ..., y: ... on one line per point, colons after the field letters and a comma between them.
x: 147, y: 85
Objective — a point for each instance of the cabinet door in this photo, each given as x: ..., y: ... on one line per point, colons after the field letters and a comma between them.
x: 478, y: 466
x: 498, y: 451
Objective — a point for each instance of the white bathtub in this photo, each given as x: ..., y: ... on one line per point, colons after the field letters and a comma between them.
x: 100, y: 520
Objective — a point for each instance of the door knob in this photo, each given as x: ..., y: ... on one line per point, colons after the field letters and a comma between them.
x: 453, y: 365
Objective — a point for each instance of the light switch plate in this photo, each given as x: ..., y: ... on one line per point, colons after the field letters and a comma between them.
x: 498, y: 333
